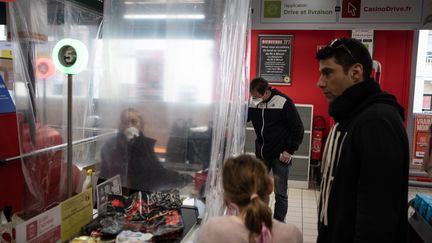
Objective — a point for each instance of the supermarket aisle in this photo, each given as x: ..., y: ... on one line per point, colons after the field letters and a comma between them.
x: 302, y: 209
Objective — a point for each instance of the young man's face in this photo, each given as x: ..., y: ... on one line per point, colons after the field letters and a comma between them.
x: 333, y: 80
x: 254, y: 94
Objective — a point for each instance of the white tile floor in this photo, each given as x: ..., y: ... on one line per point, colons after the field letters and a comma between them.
x: 302, y: 209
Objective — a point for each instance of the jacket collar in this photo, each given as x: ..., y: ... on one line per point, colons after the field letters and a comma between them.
x: 352, y: 99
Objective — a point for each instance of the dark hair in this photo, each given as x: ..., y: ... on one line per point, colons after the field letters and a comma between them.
x: 242, y: 177
x: 347, y: 52
x: 259, y: 84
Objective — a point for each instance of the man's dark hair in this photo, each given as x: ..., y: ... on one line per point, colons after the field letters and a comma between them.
x: 259, y: 84
x: 347, y: 52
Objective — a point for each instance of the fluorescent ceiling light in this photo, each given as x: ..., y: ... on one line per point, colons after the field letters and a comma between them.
x: 164, y: 16
x: 164, y: 2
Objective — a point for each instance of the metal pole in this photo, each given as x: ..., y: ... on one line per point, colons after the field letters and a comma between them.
x: 69, y: 136
x: 44, y: 103
x: 57, y: 147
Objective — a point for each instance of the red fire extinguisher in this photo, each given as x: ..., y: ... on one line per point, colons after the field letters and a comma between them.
x: 319, y: 126
x: 376, y: 71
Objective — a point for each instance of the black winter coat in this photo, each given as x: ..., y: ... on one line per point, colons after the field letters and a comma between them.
x: 278, y: 126
x: 137, y: 164
x: 364, y: 188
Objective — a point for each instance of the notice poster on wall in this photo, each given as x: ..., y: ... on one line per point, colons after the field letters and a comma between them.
x: 274, y: 58
x: 421, y: 135
x: 366, y: 37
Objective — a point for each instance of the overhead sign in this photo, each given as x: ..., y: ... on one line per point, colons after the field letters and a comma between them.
x: 334, y: 13
x: 351, y: 9
x: 383, y: 11
x: 306, y: 11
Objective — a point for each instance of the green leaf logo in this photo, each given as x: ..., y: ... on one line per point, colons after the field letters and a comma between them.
x: 272, y: 9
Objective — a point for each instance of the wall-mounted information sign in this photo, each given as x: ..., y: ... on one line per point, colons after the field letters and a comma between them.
x: 274, y: 58
x: 366, y: 37
x: 421, y: 135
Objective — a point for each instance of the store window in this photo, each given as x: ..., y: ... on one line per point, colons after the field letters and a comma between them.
x: 426, y: 102
x: 423, y: 81
x: 2, y: 32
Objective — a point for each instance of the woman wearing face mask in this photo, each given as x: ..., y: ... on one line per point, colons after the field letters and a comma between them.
x: 247, y: 187
x: 131, y: 155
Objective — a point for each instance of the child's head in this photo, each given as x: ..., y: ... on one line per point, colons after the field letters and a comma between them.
x: 247, y: 184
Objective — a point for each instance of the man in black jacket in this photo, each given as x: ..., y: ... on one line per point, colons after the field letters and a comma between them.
x: 279, y: 132
x: 364, y: 187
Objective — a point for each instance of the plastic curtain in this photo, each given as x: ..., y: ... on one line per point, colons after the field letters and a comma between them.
x: 40, y: 93
x: 165, y: 92
x: 230, y: 113
x: 182, y: 66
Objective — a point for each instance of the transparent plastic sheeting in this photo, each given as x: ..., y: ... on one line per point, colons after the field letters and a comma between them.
x: 183, y: 66
x: 35, y: 27
x: 230, y: 112
x: 162, y: 102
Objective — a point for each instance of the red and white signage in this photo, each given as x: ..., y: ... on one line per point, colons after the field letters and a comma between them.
x: 421, y: 135
x: 43, y: 228
x: 351, y: 9
x: 340, y: 14
x: 383, y: 11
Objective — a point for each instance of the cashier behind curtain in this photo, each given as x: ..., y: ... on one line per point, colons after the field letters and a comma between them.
x: 131, y: 155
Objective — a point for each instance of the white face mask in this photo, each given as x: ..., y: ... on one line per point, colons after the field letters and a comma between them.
x: 256, y: 101
x: 131, y: 132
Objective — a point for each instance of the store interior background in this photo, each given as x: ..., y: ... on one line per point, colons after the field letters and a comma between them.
x: 392, y: 48
x: 405, y: 55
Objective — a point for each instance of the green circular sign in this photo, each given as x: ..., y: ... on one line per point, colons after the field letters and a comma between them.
x: 67, y: 56
x: 70, y: 56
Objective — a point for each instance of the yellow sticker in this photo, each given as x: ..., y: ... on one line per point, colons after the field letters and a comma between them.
x: 6, y: 54
x: 75, y: 213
